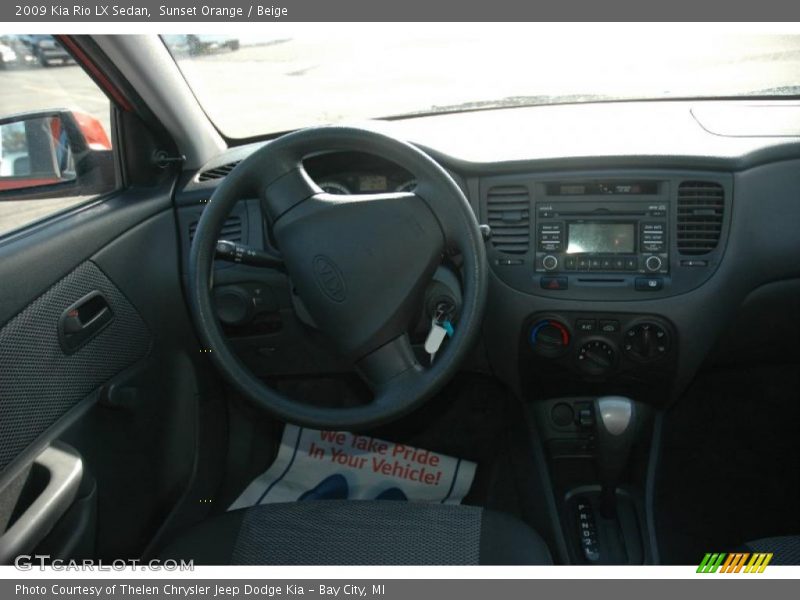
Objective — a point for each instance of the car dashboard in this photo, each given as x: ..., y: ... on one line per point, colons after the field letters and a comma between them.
x: 629, y: 244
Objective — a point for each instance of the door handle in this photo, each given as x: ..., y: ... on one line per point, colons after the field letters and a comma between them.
x: 64, y: 468
x: 83, y: 320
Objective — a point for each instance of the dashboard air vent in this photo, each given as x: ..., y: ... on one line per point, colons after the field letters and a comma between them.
x: 508, y: 210
x: 701, y: 205
x: 231, y: 230
x: 217, y: 172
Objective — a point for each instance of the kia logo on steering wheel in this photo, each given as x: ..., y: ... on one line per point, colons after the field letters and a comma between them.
x: 329, y: 278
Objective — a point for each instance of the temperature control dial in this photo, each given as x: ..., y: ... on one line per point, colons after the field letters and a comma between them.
x: 549, y: 338
x: 596, y: 357
x: 646, y: 342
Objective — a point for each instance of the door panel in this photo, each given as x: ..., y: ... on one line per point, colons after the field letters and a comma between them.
x: 32, y: 262
x: 39, y: 381
x: 134, y: 401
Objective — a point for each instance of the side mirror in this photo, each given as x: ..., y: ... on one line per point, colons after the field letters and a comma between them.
x: 45, y: 153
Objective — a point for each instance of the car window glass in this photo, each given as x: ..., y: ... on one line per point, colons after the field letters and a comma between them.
x: 55, y: 145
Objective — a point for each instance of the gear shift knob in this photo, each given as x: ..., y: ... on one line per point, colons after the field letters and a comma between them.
x: 617, y: 426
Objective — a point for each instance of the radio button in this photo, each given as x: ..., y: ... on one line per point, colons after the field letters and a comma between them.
x: 632, y: 263
x: 653, y: 263
x: 594, y: 264
x: 551, y: 237
x: 653, y: 237
x: 550, y: 262
x: 569, y: 263
x: 583, y: 264
x: 619, y: 264
x: 649, y: 284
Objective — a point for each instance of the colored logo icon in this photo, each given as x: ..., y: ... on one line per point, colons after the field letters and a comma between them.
x: 736, y: 562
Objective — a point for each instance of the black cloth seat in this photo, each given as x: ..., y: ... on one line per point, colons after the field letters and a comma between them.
x: 785, y: 549
x: 333, y: 532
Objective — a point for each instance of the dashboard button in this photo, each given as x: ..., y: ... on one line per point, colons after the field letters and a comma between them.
x: 631, y: 263
x: 609, y: 326
x: 586, y: 325
x: 554, y: 283
x: 649, y: 284
x: 550, y: 262
x: 693, y: 262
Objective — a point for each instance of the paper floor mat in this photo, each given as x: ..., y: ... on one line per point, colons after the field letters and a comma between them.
x: 317, y: 465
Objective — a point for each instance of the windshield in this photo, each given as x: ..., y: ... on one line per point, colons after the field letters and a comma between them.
x: 252, y: 85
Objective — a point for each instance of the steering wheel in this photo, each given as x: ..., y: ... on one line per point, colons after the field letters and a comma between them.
x: 360, y: 265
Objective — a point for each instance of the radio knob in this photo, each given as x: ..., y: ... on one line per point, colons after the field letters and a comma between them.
x: 653, y: 263
x: 549, y: 262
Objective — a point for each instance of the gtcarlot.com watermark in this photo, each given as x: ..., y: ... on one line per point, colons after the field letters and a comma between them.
x: 28, y: 562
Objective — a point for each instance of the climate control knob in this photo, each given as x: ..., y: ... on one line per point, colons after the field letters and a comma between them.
x: 550, y: 262
x: 596, y: 357
x: 549, y: 338
x: 646, y: 342
x: 653, y: 263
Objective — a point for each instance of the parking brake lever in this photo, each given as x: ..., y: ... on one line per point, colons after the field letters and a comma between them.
x: 245, y: 255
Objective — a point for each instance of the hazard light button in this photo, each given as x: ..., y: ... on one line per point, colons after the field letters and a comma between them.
x: 554, y: 283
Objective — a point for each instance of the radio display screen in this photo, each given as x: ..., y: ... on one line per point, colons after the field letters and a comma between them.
x: 601, y: 238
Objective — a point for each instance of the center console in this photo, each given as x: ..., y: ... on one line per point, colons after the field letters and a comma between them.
x: 592, y: 380
x: 598, y: 260
x: 595, y: 467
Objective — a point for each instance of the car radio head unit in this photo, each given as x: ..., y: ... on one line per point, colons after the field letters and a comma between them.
x: 602, y: 236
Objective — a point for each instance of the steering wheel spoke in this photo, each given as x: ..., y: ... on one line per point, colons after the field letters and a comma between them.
x: 393, y: 360
x: 287, y: 191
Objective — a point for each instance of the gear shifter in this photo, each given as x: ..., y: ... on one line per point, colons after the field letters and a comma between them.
x: 617, y: 427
